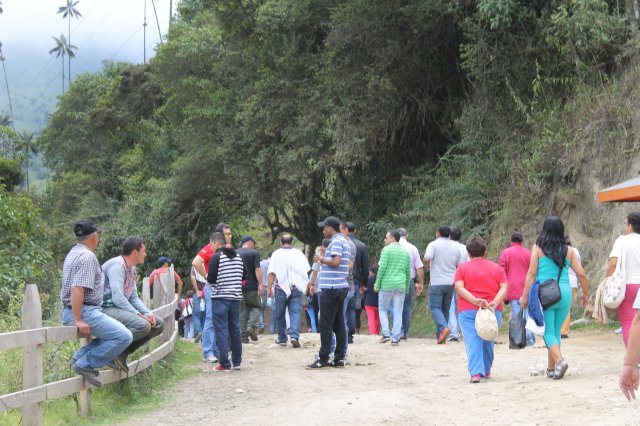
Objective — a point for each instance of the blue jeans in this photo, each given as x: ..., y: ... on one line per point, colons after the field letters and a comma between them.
x: 198, y: 316
x: 110, y: 337
x: 385, y: 299
x: 140, y: 328
x: 209, y: 346
x: 350, y: 313
x: 479, y: 352
x: 226, y: 322
x: 406, y: 309
x: 294, y: 303
x: 515, y: 309
x: 453, y: 317
x: 439, y: 305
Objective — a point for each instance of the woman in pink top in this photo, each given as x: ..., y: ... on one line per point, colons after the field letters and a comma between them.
x: 479, y: 283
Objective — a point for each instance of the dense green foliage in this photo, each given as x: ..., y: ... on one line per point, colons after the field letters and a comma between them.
x: 270, y: 115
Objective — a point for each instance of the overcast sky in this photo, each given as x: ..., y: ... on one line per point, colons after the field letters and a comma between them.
x: 107, y: 30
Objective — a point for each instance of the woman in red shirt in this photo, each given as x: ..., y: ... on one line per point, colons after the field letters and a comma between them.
x: 479, y: 283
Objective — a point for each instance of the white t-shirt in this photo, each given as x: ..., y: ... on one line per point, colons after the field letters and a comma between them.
x: 573, y: 278
x: 631, y: 244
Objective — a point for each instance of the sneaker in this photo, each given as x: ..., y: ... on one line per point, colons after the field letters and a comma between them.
x: 475, y: 378
x: 618, y: 330
x: 443, y: 335
x: 245, y: 340
x: 564, y: 336
x: 295, y: 343
x: 385, y: 339
x: 198, y: 338
x: 338, y: 363
x: 394, y: 343
x: 237, y: 367
x: 452, y: 339
x: 281, y: 343
x: 403, y: 337
x: 350, y: 340
x: 210, y: 358
x: 487, y: 375
x: 550, y: 373
x: 318, y: 365
x: 252, y: 334
x: 561, y: 368
x: 219, y: 367
x: 88, y: 374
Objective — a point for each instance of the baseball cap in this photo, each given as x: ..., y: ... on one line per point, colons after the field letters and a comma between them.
x: 247, y: 238
x: 331, y: 221
x: 85, y: 227
x: 164, y: 259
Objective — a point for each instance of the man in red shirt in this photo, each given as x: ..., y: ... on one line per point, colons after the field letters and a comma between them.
x: 515, y: 262
x: 163, y: 267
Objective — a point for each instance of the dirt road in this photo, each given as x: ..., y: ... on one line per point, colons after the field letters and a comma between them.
x: 417, y: 382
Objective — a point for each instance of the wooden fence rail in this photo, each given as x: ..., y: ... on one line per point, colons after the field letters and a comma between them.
x: 31, y: 339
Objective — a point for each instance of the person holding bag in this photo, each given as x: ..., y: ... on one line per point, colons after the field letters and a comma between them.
x: 627, y: 247
x: 551, y: 258
x: 480, y: 283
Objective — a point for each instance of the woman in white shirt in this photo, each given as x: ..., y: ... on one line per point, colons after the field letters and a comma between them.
x: 573, y: 281
x: 630, y: 243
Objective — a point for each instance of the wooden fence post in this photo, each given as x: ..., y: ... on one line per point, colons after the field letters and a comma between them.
x: 146, y: 292
x: 32, y: 355
x: 84, y: 397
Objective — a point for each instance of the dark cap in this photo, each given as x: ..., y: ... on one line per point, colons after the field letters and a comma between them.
x: 164, y: 259
x: 331, y: 221
x: 85, y: 227
x: 247, y: 238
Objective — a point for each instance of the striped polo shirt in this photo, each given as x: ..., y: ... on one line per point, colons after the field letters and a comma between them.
x: 226, y: 272
x: 336, y: 276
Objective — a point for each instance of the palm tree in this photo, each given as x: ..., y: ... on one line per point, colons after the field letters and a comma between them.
x: 1, y: 11
x: 6, y: 82
x: 69, y: 11
x: 26, y: 148
x: 63, y: 48
x: 5, y: 121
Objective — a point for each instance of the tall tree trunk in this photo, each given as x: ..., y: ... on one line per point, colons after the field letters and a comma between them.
x: 63, y: 73
x: 6, y: 82
x: 633, y: 12
x: 69, y: 41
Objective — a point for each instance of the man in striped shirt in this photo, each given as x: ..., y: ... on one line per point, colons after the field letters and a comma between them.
x: 225, y: 274
x: 334, y: 288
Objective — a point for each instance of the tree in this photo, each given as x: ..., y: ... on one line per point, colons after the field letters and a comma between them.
x: 61, y: 49
x: 69, y: 11
x: 26, y: 149
x: 6, y: 82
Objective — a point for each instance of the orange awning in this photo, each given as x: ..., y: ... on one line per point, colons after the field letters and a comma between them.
x: 628, y: 191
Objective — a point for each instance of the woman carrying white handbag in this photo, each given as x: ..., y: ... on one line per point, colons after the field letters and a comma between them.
x: 627, y: 249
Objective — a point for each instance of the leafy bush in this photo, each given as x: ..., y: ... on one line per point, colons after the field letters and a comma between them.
x: 10, y: 172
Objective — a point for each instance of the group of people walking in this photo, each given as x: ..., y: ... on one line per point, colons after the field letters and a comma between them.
x: 231, y: 289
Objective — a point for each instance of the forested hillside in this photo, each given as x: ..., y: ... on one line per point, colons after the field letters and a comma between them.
x: 271, y: 114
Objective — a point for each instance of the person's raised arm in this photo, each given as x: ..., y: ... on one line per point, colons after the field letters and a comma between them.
x: 531, y: 276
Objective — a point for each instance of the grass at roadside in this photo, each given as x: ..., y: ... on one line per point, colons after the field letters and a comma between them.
x: 115, y: 402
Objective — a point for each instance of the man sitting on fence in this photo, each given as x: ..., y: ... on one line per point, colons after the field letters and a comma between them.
x: 81, y: 295
x: 121, y: 301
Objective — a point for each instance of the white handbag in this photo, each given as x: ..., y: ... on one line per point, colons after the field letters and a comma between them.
x: 614, y: 288
x: 487, y: 324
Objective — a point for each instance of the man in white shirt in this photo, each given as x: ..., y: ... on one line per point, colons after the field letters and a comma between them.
x: 417, y: 270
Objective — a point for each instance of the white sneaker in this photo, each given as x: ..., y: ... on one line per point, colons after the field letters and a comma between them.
x: 618, y: 331
x: 210, y: 358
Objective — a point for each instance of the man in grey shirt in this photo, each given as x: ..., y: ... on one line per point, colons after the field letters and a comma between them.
x: 442, y: 257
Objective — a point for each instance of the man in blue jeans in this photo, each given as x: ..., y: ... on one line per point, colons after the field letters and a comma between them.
x: 81, y: 296
x: 226, y: 273
x: 121, y: 301
x: 442, y: 257
x: 288, y: 269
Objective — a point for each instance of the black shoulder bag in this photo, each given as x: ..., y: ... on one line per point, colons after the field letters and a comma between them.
x: 549, y: 291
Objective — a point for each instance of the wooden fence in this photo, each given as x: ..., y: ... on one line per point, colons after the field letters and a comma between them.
x: 32, y: 337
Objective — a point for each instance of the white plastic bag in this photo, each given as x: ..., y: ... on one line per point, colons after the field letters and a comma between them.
x: 487, y: 324
x: 534, y: 328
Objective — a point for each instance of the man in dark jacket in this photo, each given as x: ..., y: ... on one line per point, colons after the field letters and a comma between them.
x: 251, y: 304
x: 360, y: 276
